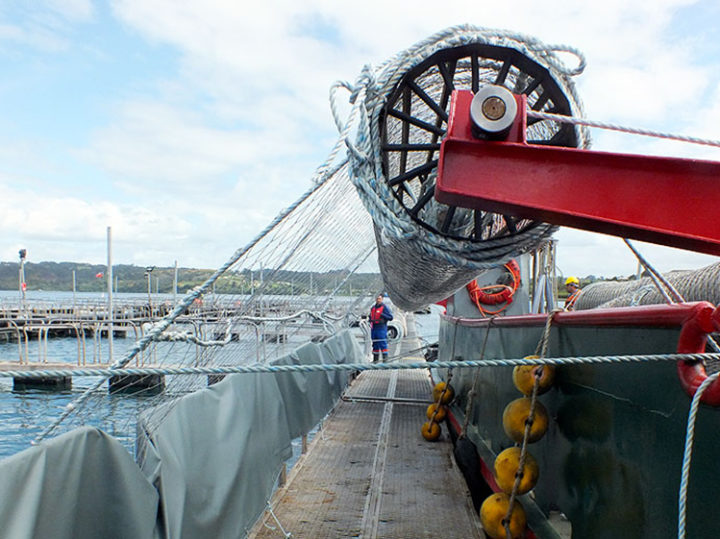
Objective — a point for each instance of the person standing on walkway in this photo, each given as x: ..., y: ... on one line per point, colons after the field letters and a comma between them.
x: 380, y: 315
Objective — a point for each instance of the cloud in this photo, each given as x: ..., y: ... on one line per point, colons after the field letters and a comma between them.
x: 46, y: 224
x: 73, y: 10
x: 583, y: 253
x: 44, y: 25
x: 209, y: 148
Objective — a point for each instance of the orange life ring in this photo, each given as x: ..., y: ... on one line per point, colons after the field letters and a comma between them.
x: 497, y: 293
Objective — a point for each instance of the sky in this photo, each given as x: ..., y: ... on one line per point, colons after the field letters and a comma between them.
x: 187, y: 126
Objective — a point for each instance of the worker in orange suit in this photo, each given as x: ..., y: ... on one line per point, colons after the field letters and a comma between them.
x: 572, y: 285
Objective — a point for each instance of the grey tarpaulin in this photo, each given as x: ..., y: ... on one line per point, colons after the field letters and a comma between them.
x: 213, y: 460
x: 220, y: 450
x: 217, y: 454
x: 309, y: 396
x: 81, y: 484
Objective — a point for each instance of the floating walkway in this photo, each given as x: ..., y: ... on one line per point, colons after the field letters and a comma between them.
x: 369, y: 473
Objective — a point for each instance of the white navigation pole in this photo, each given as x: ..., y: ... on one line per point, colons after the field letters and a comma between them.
x: 74, y: 286
x: 111, y: 312
x: 21, y: 283
x: 175, y: 282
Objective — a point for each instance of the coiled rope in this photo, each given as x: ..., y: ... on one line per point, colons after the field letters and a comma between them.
x: 396, y: 230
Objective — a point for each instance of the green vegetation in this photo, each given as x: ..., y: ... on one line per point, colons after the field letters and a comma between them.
x: 57, y: 276
x: 54, y: 276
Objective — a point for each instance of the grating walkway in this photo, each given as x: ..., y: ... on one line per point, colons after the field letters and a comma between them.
x: 371, y: 474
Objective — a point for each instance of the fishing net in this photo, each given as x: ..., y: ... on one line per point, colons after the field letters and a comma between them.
x: 309, y: 274
x: 427, y: 250
x: 314, y: 269
x: 693, y: 285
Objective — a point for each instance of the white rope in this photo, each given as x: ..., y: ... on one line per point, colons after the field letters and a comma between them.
x: 286, y: 534
x: 656, y: 276
x: 687, y: 453
x: 624, y: 129
x: 659, y: 278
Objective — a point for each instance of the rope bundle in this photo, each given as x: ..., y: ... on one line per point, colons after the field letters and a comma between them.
x: 420, y: 266
x: 693, y: 285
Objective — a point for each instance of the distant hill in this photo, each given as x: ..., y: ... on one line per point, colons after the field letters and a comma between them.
x: 57, y: 276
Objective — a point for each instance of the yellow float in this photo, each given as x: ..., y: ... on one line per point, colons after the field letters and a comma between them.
x: 516, y: 414
x: 492, y: 514
x: 524, y: 377
x: 430, y: 431
x: 441, y: 412
x: 506, y: 466
x: 441, y: 395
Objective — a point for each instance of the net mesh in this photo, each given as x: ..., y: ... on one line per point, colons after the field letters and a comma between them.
x: 428, y: 250
x: 312, y: 274
x: 315, y: 268
x: 693, y: 285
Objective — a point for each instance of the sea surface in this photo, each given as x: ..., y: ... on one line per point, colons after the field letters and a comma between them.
x: 25, y: 414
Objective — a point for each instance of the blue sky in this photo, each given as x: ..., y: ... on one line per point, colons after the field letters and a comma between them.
x: 186, y: 126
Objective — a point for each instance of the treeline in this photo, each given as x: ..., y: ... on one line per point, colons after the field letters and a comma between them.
x: 58, y: 276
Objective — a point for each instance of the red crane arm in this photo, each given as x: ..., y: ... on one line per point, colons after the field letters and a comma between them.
x: 663, y: 200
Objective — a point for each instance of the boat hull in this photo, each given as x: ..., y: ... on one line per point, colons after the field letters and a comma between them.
x: 611, y: 459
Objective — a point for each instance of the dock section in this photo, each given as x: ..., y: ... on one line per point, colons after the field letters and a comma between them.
x: 369, y: 473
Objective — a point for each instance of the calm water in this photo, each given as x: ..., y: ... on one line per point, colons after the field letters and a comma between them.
x: 24, y: 414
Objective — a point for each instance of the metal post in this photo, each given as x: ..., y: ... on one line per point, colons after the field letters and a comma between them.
x: 283, y: 476
x: 553, y: 270
x: 21, y: 282
x: 175, y: 282
x: 111, y: 311
x: 74, y: 299
x: 148, y: 274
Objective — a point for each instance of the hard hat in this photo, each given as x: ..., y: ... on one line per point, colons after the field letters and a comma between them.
x: 572, y: 280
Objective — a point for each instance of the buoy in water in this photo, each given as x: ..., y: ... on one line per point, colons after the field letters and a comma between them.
x: 492, y: 514
x: 524, y: 377
x: 430, y: 431
x: 517, y: 413
x: 441, y: 412
x: 441, y: 395
x: 507, y: 464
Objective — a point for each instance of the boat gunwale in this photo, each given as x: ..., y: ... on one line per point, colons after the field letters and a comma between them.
x: 677, y: 314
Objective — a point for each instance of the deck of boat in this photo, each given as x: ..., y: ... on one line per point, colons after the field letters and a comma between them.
x: 370, y: 473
